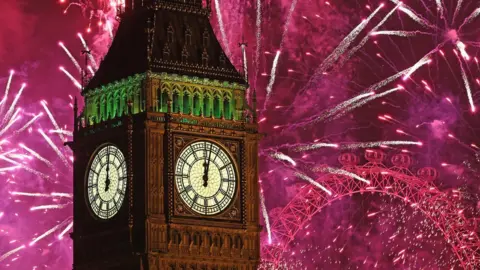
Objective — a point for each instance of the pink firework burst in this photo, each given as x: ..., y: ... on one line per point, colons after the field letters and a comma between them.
x: 33, y: 183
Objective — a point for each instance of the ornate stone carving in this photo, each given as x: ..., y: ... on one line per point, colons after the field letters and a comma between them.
x: 153, y: 262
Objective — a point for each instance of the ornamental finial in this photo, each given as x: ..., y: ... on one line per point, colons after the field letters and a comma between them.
x: 75, y: 114
x: 254, y: 105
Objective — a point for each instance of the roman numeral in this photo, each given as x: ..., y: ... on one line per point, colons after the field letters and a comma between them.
x: 92, y: 185
x: 121, y: 164
x: 206, y: 205
x: 224, y: 193
x: 188, y: 188
x: 227, y: 180
x: 224, y: 166
x: 194, y: 200
x: 194, y: 153
x: 94, y: 172
x: 216, y: 155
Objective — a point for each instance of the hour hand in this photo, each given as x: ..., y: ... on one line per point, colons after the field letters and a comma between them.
x: 205, y: 173
x: 107, y: 181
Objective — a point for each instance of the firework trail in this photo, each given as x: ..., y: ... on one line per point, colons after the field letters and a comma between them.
x: 313, y: 182
x: 287, y: 22
x: 74, y: 61
x: 351, y: 146
x: 11, y: 252
x: 12, y: 108
x: 425, y: 60
x: 364, y: 41
x: 470, y: 18
x: 258, y: 38
x: 51, y: 206
x: 283, y: 157
x: 341, y: 172
x: 265, y: 216
x: 466, y: 84
x: 440, y: 7
x: 7, y: 89
x: 222, y: 27
x: 29, y: 123
x: 245, y: 65
x: 346, y: 42
x: 314, y: 146
x: 67, y: 229
x: 52, y: 119
x: 400, y: 33
x: 109, y: 27
x: 414, y: 16
x: 334, y: 110
x: 75, y: 82
x: 365, y: 101
x: 89, y: 54
x: 273, y: 72
x: 54, y: 147
x: 45, y: 234
x: 457, y: 9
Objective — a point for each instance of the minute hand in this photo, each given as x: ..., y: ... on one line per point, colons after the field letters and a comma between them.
x: 209, y: 156
x: 107, y: 181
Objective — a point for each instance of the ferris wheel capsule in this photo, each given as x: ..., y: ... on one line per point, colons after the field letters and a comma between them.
x: 402, y: 160
x: 428, y: 173
x: 374, y: 155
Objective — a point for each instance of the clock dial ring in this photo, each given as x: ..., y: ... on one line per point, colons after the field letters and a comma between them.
x: 206, y: 177
x: 106, y: 182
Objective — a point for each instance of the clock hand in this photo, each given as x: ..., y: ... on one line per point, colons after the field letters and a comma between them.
x: 208, y: 163
x: 205, y: 169
x: 107, y: 181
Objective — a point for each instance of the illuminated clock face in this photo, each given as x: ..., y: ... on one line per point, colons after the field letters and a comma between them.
x: 107, y: 182
x: 205, y: 178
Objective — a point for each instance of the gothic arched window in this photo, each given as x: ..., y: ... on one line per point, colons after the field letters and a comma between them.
x: 206, y: 37
x: 216, y: 107
x: 166, y: 52
x: 176, y: 104
x: 197, y: 240
x: 164, y: 101
x: 185, y: 54
x: 223, y: 60
x: 238, y: 242
x: 196, y: 104
x: 175, y: 237
x: 205, y: 58
x: 186, y: 103
x: 206, y: 105
x: 188, y: 36
x: 158, y: 100
x: 226, y: 108
x: 170, y: 33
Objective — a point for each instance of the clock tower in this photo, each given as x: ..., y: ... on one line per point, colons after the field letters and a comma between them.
x: 165, y: 150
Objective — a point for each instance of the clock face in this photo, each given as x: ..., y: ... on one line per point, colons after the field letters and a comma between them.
x: 107, y: 182
x: 205, y: 178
